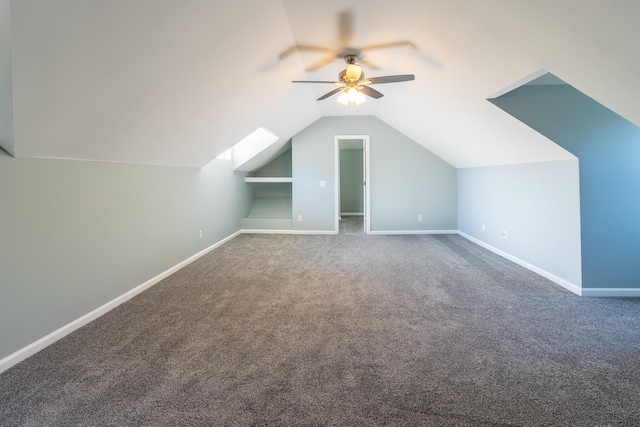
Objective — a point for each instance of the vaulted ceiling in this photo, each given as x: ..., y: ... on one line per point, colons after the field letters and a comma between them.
x: 177, y: 82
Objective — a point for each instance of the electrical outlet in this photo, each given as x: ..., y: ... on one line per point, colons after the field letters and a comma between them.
x: 504, y: 234
x: 323, y: 183
x: 200, y: 234
x: 483, y: 227
x: 419, y: 217
x: 299, y: 218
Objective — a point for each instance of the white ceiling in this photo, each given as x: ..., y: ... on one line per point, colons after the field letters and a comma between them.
x: 177, y: 82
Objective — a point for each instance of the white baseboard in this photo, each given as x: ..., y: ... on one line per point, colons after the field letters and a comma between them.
x: 611, y: 292
x: 393, y: 232
x: 252, y: 231
x: 576, y: 289
x: 352, y: 213
x: 54, y: 336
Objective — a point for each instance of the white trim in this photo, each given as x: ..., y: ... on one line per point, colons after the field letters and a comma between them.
x: 266, y: 231
x: 54, y: 336
x: 367, y: 188
x: 352, y: 213
x: 336, y: 182
x: 367, y: 178
x: 267, y: 179
x: 611, y: 292
x: 395, y: 232
x: 572, y: 287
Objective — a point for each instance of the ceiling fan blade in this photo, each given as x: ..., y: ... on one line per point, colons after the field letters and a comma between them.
x: 390, y: 79
x: 369, y: 91
x: 321, y: 63
x: 299, y: 47
x: 315, y: 81
x: 333, y: 92
x: 390, y: 45
x: 345, y: 28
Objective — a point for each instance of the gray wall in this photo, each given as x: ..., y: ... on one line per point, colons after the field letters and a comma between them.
x: 6, y: 103
x: 75, y: 235
x: 538, y: 204
x: 406, y: 179
x: 351, y: 181
x: 271, y: 205
x: 278, y: 167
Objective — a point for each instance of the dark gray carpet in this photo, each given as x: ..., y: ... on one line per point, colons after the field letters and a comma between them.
x: 341, y: 330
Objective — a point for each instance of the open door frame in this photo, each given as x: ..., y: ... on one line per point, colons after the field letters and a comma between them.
x: 366, y: 178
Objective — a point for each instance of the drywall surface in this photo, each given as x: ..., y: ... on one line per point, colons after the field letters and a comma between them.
x: 537, y: 204
x: 6, y: 98
x: 407, y: 180
x: 608, y: 147
x: 351, y: 181
x: 278, y: 167
x: 271, y: 205
x: 74, y: 235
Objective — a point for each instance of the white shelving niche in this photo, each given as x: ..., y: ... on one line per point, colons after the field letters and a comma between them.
x: 271, y: 208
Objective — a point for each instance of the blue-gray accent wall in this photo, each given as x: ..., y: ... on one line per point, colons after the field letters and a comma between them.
x: 608, y: 149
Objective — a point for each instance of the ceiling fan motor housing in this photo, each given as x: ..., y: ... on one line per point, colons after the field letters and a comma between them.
x: 350, y: 58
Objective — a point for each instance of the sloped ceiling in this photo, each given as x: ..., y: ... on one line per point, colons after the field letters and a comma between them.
x: 169, y: 82
x: 177, y: 82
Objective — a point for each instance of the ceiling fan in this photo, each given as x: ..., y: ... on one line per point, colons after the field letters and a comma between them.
x: 353, y: 84
x: 345, y: 47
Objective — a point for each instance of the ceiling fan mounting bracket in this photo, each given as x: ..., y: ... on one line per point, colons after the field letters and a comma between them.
x: 351, y: 58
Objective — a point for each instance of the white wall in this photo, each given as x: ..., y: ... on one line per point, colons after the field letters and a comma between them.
x: 537, y: 204
x: 74, y: 235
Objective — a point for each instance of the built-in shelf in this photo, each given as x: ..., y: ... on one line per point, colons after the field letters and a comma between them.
x: 267, y: 179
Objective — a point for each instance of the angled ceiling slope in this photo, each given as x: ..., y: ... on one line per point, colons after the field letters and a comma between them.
x: 152, y: 81
x: 178, y: 82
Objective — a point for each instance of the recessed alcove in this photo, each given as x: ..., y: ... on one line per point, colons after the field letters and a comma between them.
x: 272, y: 195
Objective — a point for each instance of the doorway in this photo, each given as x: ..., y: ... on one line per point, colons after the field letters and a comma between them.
x: 352, y: 190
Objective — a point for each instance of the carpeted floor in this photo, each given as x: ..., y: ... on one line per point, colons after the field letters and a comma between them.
x: 351, y: 224
x: 341, y: 330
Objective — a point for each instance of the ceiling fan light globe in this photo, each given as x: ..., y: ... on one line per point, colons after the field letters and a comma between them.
x: 351, y: 96
x: 343, y: 98
x: 359, y: 98
x: 354, y: 95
